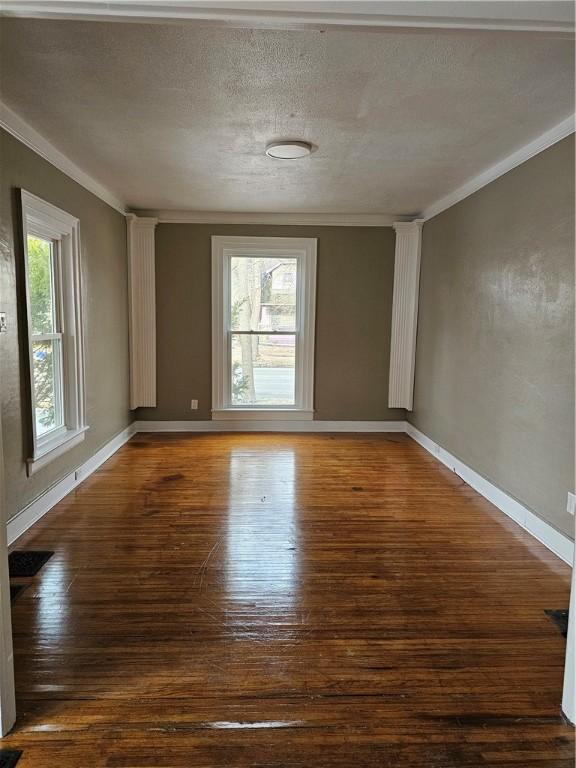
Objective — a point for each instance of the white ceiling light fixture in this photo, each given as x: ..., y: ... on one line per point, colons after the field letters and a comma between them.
x: 288, y: 150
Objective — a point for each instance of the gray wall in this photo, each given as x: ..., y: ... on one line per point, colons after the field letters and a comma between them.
x: 353, y: 317
x: 495, y: 353
x: 104, y: 275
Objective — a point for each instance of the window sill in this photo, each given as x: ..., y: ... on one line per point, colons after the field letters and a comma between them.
x: 54, y: 448
x: 261, y: 414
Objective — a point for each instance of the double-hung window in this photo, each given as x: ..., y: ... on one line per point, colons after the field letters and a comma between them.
x: 55, y: 344
x: 263, y: 317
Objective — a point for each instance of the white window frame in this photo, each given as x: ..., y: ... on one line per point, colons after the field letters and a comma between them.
x: 44, y: 220
x: 304, y: 250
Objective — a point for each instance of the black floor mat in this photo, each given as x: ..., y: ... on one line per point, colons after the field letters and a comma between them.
x: 15, y: 590
x: 560, y: 618
x: 9, y: 757
x: 24, y: 564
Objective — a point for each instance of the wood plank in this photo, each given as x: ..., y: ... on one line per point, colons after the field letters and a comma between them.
x: 287, y: 601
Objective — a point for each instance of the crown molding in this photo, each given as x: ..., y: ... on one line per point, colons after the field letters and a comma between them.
x: 382, y: 15
x: 547, y: 139
x: 21, y: 130
x: 289, y: 219
x: 403, y: 226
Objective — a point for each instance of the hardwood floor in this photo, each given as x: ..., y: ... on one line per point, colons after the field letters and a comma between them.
x: 287, y: 601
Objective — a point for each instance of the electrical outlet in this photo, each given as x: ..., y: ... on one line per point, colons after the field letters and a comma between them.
x: 194, y: 405
x: 571, y: 505
x: 3, y: 323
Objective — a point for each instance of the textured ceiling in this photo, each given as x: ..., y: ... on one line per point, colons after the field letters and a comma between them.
x: 170, y: 116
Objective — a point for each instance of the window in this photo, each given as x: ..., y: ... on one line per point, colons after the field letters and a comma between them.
x: 52, y: 270
x: 263, y: 307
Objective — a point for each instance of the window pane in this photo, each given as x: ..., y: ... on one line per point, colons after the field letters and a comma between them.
x: 263, y: 294
x: 263, y: 369
x: 41, y: 285
x: 47, y: 369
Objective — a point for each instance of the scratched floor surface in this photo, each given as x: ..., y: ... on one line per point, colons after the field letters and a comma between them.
x: 287, y: 601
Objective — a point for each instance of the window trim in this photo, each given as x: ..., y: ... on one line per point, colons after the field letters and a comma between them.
x: 47, y: 221
x: 302, y: 248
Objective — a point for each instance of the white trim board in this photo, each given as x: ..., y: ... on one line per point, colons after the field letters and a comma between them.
x: 261, y: 414
x: 556, y: 542
x: 544, y: 141
x: 43, y: 219
x: 511, y: 16
x: 21, y: 130
x: 24, y: 519
x: 404, y: 314
x: 569, y: 693
x: 547, y: 139
x: 546, y: 534
x: 44, y: 503
x: 302, y: 251
x: 142, y: 310
x: 279, y: 218
x: 7, y: 692
x: 237, y: 425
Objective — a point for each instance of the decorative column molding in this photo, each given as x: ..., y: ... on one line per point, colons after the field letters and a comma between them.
x: 404, y: 313
x: 142, y: 307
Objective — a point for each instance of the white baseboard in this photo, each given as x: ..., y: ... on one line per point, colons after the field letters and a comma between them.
x: 555, y: 541
x: 270, y: 426
x: 44, y: 503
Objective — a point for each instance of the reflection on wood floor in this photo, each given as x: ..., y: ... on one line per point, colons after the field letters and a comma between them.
x: 287, y: 601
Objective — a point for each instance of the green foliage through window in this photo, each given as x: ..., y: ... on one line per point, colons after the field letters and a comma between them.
x: 46, y: 352
x: 40, y: 285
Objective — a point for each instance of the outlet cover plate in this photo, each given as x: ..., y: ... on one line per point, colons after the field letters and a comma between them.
x: 571, y: 505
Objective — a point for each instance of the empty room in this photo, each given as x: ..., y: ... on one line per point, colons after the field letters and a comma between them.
x: 287, y: 384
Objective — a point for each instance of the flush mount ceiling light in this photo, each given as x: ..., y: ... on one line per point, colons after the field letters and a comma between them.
x: 288, y: 150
